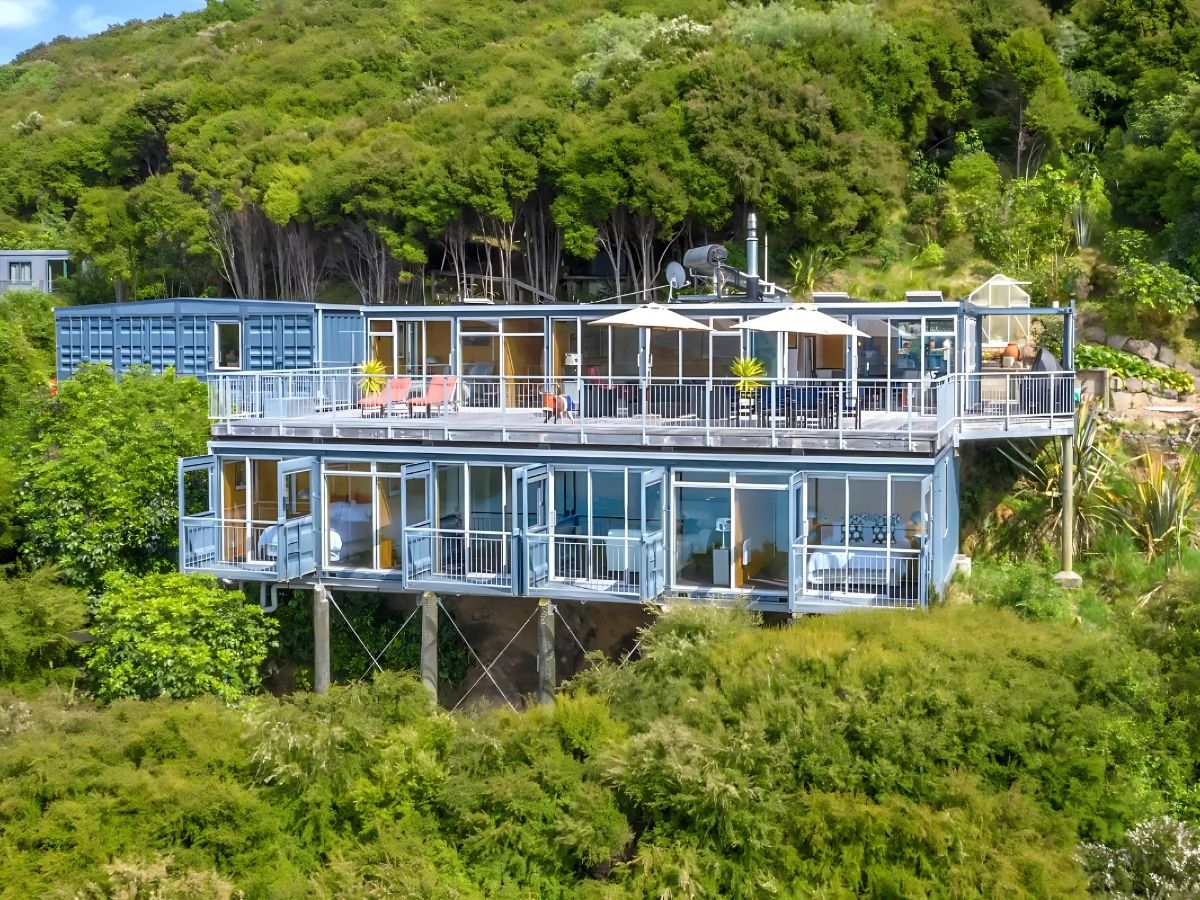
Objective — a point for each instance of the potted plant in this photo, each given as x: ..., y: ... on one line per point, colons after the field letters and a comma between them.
x: 374, y: 377
x: 750, y: 375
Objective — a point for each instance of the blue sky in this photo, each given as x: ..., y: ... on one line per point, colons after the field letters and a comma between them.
x: 26, y: 23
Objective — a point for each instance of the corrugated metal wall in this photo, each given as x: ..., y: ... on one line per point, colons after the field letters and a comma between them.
x: 176, y: 333
x: 343, y: 338
x: 945, y: 516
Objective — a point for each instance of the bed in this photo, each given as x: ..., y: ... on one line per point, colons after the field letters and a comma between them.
x: 351, y: 522
x: 853, y: 558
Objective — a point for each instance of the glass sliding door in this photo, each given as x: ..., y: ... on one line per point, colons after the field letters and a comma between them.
x: 702, y: 532
x: 761, y: 538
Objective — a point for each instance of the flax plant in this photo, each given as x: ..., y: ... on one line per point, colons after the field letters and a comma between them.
x: 1041, y: 465
x: 1158, y: 503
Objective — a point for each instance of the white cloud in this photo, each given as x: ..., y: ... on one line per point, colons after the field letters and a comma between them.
x: 88, y: 21
x: 24, y: 13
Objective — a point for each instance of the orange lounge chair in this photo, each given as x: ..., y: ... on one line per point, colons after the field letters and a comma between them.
x: 440, y: 392
x: 394, y: 392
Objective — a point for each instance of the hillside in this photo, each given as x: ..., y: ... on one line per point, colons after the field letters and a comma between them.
x: 340, y: 148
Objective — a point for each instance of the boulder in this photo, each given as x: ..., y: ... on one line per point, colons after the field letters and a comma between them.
x: 1166, y: 355
x: 1144, y: 349
x: 1170, y: 393
x: 1121, y: 401
x: 1095, y: 334
x: 1134, y: 385
x: 1140, y: 401
x: 1117, y: 341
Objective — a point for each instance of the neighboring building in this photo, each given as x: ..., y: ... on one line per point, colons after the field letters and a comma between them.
x: 32, y: 269
x: 521, y: 451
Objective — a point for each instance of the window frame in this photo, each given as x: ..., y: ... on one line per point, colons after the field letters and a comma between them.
x: 218, y: 365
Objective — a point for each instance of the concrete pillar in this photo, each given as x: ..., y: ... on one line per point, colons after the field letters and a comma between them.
x: 320, y: 603
x: 429, y: 642
x: 546, y: 652
x: 1068, y: 577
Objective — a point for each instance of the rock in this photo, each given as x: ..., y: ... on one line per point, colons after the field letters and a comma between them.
x: 1095, y: 334
x: 1140, y: 401
x: 1166, y: 355
x: 1115, y: 383
x: 1144, y: 349
x: 1121, y: 401
x: 1134, y: 385
x: 1170, y: 393
x: 1117, y: 341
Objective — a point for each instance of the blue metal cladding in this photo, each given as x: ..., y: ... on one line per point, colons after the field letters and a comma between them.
x: 945, y: 517
x: 343, y: 338
x: 180, y: 333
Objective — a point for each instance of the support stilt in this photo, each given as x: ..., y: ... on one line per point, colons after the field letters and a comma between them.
x: 546, y: 652
x: 320, y: 603
x: 1068, y: 577
x: 429, y: 642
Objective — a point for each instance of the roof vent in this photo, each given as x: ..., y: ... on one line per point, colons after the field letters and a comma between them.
x: 924, y: 296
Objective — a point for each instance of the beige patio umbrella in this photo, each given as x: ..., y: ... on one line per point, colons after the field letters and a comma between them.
x: 800, y: 318
x: 651, y: 316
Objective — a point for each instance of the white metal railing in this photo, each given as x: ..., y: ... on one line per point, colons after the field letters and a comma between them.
x: 855, y: 575
x: 1003, y: 396
x: 898, y: 407
x: 611, y: 564
x: 462, y: 556
x: 208, y: 543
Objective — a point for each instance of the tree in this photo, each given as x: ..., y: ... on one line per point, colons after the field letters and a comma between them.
x: 98, y: 482
x: 1032, y: 88
x: 175, y: 636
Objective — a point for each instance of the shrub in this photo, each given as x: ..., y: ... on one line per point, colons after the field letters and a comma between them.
x: 930, y: 255
x: 175, y: 636
x: 36, y: 616
x: 1158, y: 858
x: 1128, y: 365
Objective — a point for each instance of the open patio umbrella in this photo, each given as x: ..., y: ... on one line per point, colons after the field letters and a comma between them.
x: 801, y: 319
x: 652, y: 316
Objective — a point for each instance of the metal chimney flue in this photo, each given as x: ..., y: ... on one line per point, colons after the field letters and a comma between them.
x: 752, y: 245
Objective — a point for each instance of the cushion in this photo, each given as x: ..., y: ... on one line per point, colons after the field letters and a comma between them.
x: 856, y: 529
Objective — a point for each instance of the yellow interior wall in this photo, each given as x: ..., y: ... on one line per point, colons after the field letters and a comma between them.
x: 831, y: 352
x: 266, y: 490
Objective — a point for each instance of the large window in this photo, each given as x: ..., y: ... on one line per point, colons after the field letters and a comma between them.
x: 731, y: 530
x: 21, y: 272
x: 228, y: 345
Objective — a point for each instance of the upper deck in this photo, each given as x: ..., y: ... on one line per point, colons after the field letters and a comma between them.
x: 834, y: 414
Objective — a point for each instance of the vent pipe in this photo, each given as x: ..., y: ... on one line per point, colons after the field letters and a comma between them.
x: 752, y: 244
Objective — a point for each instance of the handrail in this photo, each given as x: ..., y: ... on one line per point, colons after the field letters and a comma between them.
x: 901, y: 407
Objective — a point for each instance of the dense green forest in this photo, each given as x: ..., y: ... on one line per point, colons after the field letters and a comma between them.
x: 345, y: 147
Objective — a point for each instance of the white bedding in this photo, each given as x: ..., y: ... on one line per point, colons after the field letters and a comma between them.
x: 352, y: 522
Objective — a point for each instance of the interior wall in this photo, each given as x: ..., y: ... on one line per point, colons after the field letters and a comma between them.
x: 264, y: 483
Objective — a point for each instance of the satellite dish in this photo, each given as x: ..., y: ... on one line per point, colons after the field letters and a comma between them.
x: 676, y: 275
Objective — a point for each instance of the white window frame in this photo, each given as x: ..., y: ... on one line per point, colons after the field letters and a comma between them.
x: 217, y: 363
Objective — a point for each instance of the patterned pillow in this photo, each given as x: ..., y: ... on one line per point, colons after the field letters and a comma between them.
x: 855, y: 530
x: 879, y: 531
